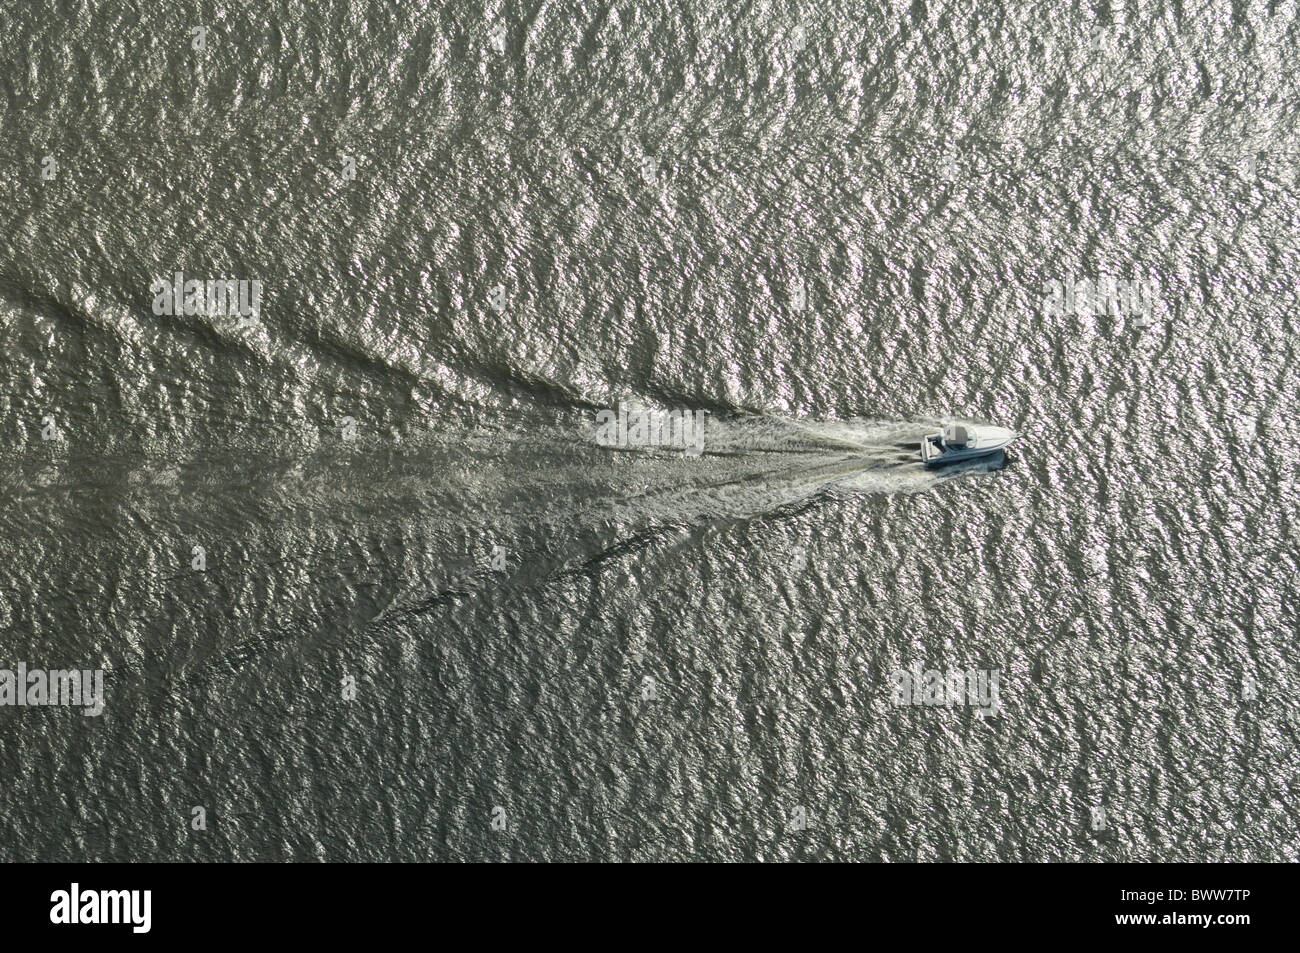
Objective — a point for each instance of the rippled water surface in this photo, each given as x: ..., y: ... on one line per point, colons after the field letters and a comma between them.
x: 831, y: 228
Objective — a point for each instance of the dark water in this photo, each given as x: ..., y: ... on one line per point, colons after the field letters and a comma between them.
x: 832, y: 227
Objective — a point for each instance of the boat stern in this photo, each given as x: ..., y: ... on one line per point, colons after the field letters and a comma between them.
x: 930, y: 452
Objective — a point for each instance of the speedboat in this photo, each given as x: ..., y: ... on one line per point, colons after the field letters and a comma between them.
x: 958, y: 442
